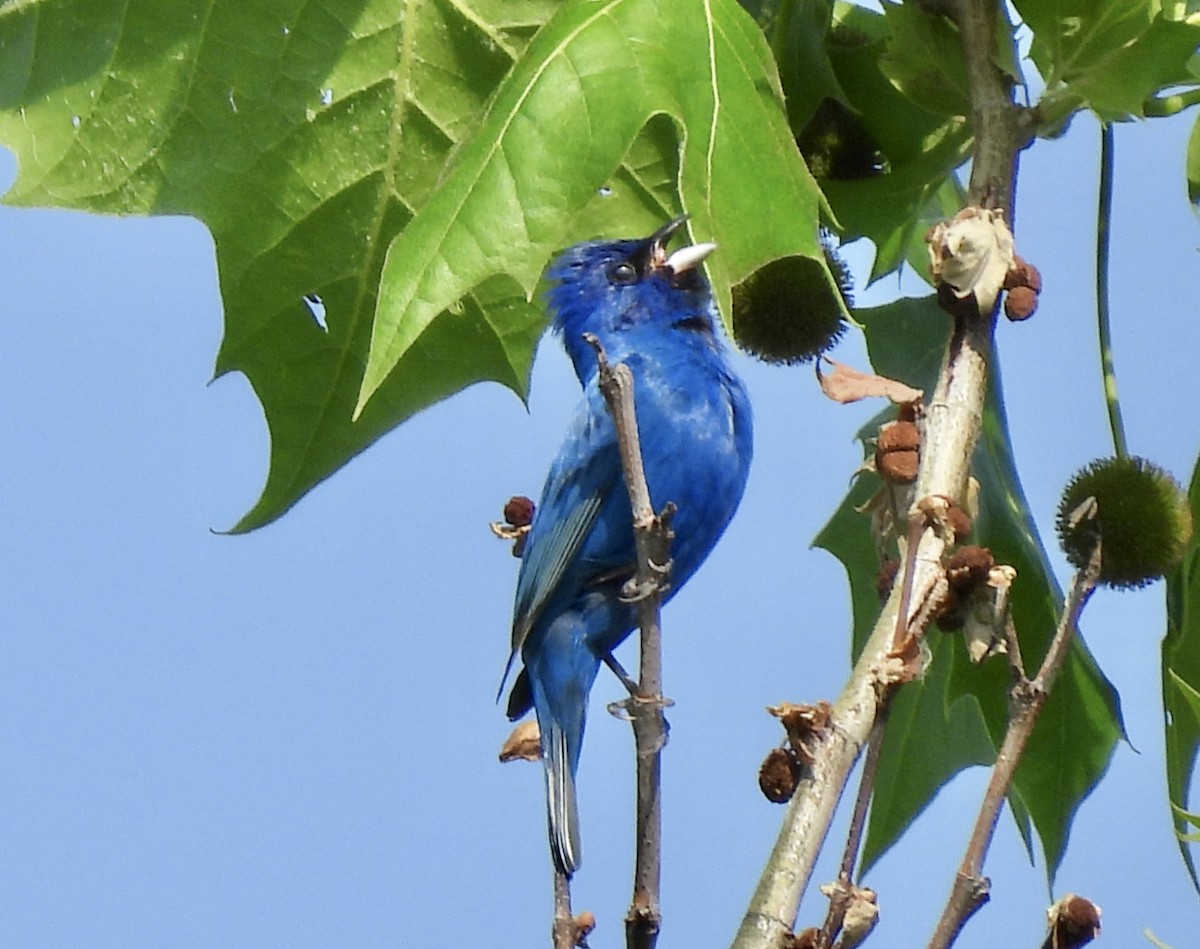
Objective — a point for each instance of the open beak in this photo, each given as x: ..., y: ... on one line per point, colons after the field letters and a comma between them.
x: 682, y: 260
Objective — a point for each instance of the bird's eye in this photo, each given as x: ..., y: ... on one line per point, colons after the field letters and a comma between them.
x: 623, y: 273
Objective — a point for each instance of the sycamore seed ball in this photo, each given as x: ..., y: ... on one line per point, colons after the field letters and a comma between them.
x: 783, y: 312
x: 1142, y: 518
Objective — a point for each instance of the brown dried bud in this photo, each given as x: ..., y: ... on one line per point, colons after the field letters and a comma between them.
x: 952, y: 614
x: 1023, y: 274
x: 805, y: 939
x: 519, y: 511
x: 899, y: 467
x: 1074, y: 921
x: 899, y: 436
x: 887, y: 576
x: 968, y: 567
x: 1020, y: 303
x: 897, y: 451
x: 959, y: 521
x: 584, y: 923
x: 778, y: 775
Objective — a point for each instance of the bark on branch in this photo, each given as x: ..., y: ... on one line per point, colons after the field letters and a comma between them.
x: 951, y: 431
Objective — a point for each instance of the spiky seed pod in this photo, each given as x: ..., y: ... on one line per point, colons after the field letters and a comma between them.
x: 836, y: 144
x: 783, y: 312
x: 1142, y: 518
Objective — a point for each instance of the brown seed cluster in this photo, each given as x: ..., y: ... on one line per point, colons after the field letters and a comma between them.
x: 897, y: 451
x: 518, y: 512
x: 1023, y: 283
x: 778, y: 775
x: 1074, y: 921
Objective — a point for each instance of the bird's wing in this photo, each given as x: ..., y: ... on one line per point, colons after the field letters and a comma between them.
x: 564, y: 549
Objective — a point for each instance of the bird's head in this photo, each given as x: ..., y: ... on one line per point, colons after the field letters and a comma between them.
x: 611, y: 288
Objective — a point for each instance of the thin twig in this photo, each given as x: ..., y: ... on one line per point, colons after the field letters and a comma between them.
x: 564, y: 930
x: 840, y: 899
x: 971, y: 887
x: 652, y: 535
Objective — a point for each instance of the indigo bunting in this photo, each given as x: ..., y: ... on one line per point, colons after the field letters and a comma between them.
x: 653, y: 312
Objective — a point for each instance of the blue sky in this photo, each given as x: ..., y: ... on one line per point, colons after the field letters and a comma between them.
x: 289, y: 738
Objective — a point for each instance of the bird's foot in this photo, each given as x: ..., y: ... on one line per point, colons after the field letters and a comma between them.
x: 636, y: 589
x: 647, y: 709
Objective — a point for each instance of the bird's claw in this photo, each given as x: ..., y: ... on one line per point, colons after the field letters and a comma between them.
x: 635, y: 589
x: 640, y: 706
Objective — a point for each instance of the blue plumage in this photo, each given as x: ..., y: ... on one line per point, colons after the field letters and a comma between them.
x: 653, y: 312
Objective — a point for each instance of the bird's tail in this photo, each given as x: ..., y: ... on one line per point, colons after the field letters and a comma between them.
x: 562, y: 812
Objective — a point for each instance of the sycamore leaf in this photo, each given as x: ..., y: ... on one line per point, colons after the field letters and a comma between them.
x: 1109, y: 57
x: 919, y: 149
x: 306, y: 137
x: 924, y: 59
x: 557, y: 129
x: 1181, y: 677
x: 799, y: 36
x: 302, y: 135
x: 957, y: 715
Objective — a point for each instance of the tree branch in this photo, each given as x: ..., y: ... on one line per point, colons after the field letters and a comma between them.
x: 952, y: 426
x: 971, y: 887
x: 644, y: 708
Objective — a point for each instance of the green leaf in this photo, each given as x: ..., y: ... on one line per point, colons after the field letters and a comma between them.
x: 1070, y: 36
x: 1110, y: 57
x: 798, y: 31
x: 941, y: 722
x: 1193, y: 165
x: 929, y: 706
x: 924, y: 59
x: 896, y: 210
x: 1181, y: 677
x: 920, y: 149
x: 306, y: 138
x: 303, y: 136
x: 558, y: 128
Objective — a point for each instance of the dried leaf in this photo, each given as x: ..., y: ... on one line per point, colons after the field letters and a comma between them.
x: 524, y: 743
x: 972, y: 253
x: 805, y: 725
x: 861, y: 916
x: 847, y: 384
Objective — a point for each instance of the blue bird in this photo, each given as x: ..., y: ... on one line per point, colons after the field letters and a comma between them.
x: 653, y: 312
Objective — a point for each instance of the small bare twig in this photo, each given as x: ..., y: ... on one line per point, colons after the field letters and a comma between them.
x: 840, y: 900
x: 568, y: 931
x: 971, y: 887
x: 644, y: 708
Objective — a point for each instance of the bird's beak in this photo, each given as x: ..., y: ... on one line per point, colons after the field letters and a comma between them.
x: 684, y: 259
x: 688, y: 257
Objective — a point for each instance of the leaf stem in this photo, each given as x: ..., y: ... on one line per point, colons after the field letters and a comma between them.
x: 1160, y: 106
x: 1103, y: 221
